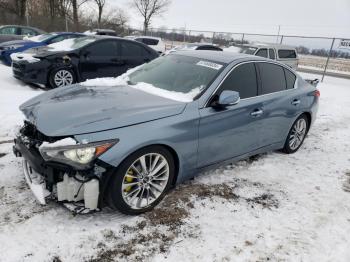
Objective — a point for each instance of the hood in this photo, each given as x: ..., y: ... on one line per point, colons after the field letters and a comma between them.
x: 16, y: 42
x: 80, y: 109
x: 42, y: 51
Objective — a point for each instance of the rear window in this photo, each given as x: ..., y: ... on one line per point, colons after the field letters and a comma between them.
x: 148, y: 41
x: 290, y: 78
x: 262, y: 53
x: 131, y: 49
x: 284, y: 53
x: 272, y: 78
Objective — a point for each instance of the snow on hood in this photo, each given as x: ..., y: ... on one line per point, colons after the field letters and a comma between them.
x: 145, y: 87
x: 24, y: 56
x: 63, y: 46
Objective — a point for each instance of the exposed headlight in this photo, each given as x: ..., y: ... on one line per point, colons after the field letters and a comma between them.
x: 79, y: 156
x: 12, y: 47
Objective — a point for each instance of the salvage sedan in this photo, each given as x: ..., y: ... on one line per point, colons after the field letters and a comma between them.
x: 75, y: 60
x: 125, y: 143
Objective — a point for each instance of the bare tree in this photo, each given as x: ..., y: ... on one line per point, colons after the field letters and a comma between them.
x: 75, y: 6
x: 100, y: 4
x: 16, y: 7
x: 149, y: 9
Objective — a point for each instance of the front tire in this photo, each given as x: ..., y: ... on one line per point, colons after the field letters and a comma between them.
x: 142, y: 180
x: 296, y: 135
x: 62, y: 77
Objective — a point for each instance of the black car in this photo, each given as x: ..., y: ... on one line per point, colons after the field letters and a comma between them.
x: 76, y: 60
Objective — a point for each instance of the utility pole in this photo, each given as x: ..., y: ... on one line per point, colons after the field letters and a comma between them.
x: 278, y: 33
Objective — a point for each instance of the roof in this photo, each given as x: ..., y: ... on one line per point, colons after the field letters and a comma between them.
x: 103, y: 30
x: 277, y: 46
x: 142, y: 36
x: 220, y: 57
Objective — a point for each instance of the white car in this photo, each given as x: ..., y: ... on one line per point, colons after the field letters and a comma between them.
x: 282, y: 53
x: 154, y: 42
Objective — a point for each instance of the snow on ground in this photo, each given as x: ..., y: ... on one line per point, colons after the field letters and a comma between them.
x: 273, y: 207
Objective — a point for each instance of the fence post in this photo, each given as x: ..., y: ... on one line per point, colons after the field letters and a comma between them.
x: 242, y: 39
x: 213, y: 38
x: 281, y: 40
x: 329, y: 55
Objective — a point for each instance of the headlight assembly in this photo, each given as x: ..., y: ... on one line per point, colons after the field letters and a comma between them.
x: 79, y: 156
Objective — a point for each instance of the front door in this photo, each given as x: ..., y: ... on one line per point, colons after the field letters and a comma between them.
x: 234, y: 130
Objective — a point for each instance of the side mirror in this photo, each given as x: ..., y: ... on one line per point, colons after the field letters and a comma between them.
x: 228, y: 98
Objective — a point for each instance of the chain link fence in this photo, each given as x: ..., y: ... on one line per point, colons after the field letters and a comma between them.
x: 318, y: 55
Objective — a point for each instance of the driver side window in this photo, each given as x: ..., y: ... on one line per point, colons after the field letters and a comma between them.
x: 243, y: 80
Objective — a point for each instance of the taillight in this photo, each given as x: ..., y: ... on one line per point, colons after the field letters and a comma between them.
x: 317, y: 93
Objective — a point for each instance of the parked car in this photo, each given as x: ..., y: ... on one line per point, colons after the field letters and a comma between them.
x: 11, y: 47
x: 101, y: 32
x: 154, y: 42
x: 282, y: 53
x: 16, y: 32
x: 195, y: 46
x: 75, y: 60
x: 127, y: 142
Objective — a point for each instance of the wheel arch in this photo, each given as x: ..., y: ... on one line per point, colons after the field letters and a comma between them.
x: 309, y: 118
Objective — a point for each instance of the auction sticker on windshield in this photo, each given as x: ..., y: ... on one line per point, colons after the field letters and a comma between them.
x: 210, y: 65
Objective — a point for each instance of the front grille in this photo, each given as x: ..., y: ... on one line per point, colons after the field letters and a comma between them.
x: 17, y: 66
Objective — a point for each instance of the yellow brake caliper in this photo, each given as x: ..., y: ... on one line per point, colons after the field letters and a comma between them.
x: 129, y: 178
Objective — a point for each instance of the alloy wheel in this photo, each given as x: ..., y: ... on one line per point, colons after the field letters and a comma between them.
x: 63, y: 78
x: 298, y: 134
x: 145, y: 180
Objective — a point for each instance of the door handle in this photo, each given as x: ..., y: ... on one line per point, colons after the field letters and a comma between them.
x: 257, y: 112
x: 295, y: 102
x: 118, y: 61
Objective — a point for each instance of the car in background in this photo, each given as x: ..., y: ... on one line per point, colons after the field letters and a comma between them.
x: 282, y: 53
x: 195, y: 46
x: 109, y: 32
x: 154, y: 42
x: 16, y: 32
x: 76, y: 60
x: 8, y: 48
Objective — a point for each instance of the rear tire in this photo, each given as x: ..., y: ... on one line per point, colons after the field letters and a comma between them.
x: 141, y: 181
x: 296, y: 135
x: 62, y: 77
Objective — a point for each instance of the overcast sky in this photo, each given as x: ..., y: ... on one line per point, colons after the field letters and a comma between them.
x: 303, y: 17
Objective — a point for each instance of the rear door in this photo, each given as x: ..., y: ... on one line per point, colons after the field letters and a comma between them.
x: 280, y: 105
x: 100, y: 59
x: 235, y: 130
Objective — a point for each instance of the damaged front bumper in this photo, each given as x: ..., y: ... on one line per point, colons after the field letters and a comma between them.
x: 79, y: 190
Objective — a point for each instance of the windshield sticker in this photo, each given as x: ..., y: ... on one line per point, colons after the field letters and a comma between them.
x: 210, y: 65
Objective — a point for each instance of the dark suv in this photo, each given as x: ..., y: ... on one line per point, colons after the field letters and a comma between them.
x: 76, y: 60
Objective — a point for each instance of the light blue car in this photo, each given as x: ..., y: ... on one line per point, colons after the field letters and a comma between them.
x: 124, y: 146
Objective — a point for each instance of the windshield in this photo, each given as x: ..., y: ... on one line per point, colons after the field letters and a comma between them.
x: 177, y: 74
x: 40, y: 38
x: 249, y: 50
